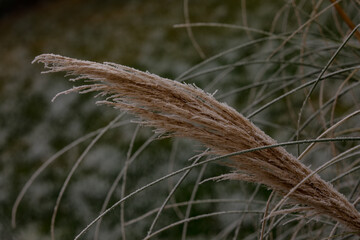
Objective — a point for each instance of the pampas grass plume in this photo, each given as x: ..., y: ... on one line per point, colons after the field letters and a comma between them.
x: 184, y: 110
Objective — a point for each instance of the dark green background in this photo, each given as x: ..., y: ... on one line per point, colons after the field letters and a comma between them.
x: 139, y: 34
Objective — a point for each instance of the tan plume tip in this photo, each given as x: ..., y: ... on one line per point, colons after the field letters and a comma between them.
x: 187, y: 111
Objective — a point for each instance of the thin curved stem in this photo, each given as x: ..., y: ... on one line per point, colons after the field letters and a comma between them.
x: 208, y: 161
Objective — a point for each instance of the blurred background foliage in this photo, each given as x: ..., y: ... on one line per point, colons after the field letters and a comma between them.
x: 140, y: 34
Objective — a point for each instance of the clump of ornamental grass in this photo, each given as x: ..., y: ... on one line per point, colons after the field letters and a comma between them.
x: 184, y: 110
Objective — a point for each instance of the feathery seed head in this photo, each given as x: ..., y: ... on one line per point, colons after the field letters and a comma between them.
x: 185, y: 110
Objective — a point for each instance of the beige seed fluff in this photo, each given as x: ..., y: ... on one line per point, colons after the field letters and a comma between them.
x: 187, y: 111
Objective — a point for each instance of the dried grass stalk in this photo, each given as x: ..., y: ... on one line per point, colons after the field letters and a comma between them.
x: 187, y: 111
